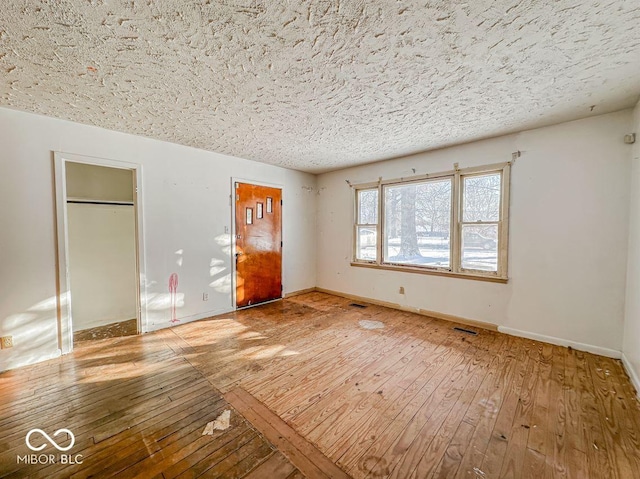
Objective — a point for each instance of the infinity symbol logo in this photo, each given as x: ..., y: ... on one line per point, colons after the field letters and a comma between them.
x: 51, y: 441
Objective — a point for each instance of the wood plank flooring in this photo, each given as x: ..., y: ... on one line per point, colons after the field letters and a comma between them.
x: 136, y: 409
x: 308, y: 459
x: 414, y: 399
x: 417, y: 399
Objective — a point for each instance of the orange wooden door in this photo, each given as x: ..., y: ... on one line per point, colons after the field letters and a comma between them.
x: 258, y: 244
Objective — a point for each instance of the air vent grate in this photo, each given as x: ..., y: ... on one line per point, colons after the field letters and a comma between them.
x: 468, y: 331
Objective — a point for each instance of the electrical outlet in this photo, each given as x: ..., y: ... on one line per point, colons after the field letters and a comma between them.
x: 401, y: 290
x: 7, y: 342
x: 205, y: 296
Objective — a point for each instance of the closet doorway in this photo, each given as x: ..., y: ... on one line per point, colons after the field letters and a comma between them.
x: 98, y: 249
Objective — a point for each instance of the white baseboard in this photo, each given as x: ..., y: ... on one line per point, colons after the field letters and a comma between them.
x: 610, y: 353
x: 633, y: 375
x: 187, y: 319
x: 410, y: 309
x: 291, y: 294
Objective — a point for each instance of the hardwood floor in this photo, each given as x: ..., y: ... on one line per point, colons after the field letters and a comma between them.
x: 418, y: 399
x: 136, y: 409
x: 413, y: 399
x: 301, y: 452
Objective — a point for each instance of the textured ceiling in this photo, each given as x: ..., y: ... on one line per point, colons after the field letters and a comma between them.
x: 321, y: 84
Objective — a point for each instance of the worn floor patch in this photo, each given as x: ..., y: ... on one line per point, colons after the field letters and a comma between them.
x: 369, y: 324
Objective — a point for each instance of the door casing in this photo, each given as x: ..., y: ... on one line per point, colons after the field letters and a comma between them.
x: 63, y: 285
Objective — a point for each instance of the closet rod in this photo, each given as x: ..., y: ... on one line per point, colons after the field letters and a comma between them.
x: 112, y: 203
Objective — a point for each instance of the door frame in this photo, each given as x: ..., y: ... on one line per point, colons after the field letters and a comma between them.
x: 63, y: 286
x: 232, y: 199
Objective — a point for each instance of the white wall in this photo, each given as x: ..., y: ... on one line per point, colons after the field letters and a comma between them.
x: 93, y: 182
x: 572, y: 179
x: 186, y: 204
x: 102, y: 264
x: 568, y: 234
x: 631, y: 343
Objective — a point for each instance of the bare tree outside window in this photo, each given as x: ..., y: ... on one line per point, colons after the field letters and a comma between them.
x: 481, y: 198
x: 368, y: 207
x: 417, y: 227
x: 424, y: 227
x: 408, y: 235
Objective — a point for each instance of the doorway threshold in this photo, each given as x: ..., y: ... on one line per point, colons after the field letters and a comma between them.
x: 259, y: 304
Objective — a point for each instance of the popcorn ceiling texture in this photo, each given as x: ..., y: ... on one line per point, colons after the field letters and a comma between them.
x: 323, y: 84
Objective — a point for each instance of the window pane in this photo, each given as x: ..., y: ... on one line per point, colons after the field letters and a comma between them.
x: 481, y: 198
x: 366, y: 243
x: 480, y: 247
x: 368, y: 206
x: 417, y: 223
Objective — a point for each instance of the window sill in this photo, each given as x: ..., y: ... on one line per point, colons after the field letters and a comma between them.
x: 409, y: 269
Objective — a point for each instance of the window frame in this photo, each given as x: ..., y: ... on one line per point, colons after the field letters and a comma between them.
x: 455, y: 268
x: 432, y: 178
x: 357, y: 225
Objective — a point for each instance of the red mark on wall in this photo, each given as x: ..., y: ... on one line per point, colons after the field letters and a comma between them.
x: 92, y: 69
x: 173, y: 292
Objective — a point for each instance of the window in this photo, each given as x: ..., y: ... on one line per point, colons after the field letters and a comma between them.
x: 480, y: 222
x: 367, y: 225
x: 418, y: 223
x: 450, y: 223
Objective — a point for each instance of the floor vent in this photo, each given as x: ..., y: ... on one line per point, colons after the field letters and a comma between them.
x: 356, y: 305
x: 468, y: 331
